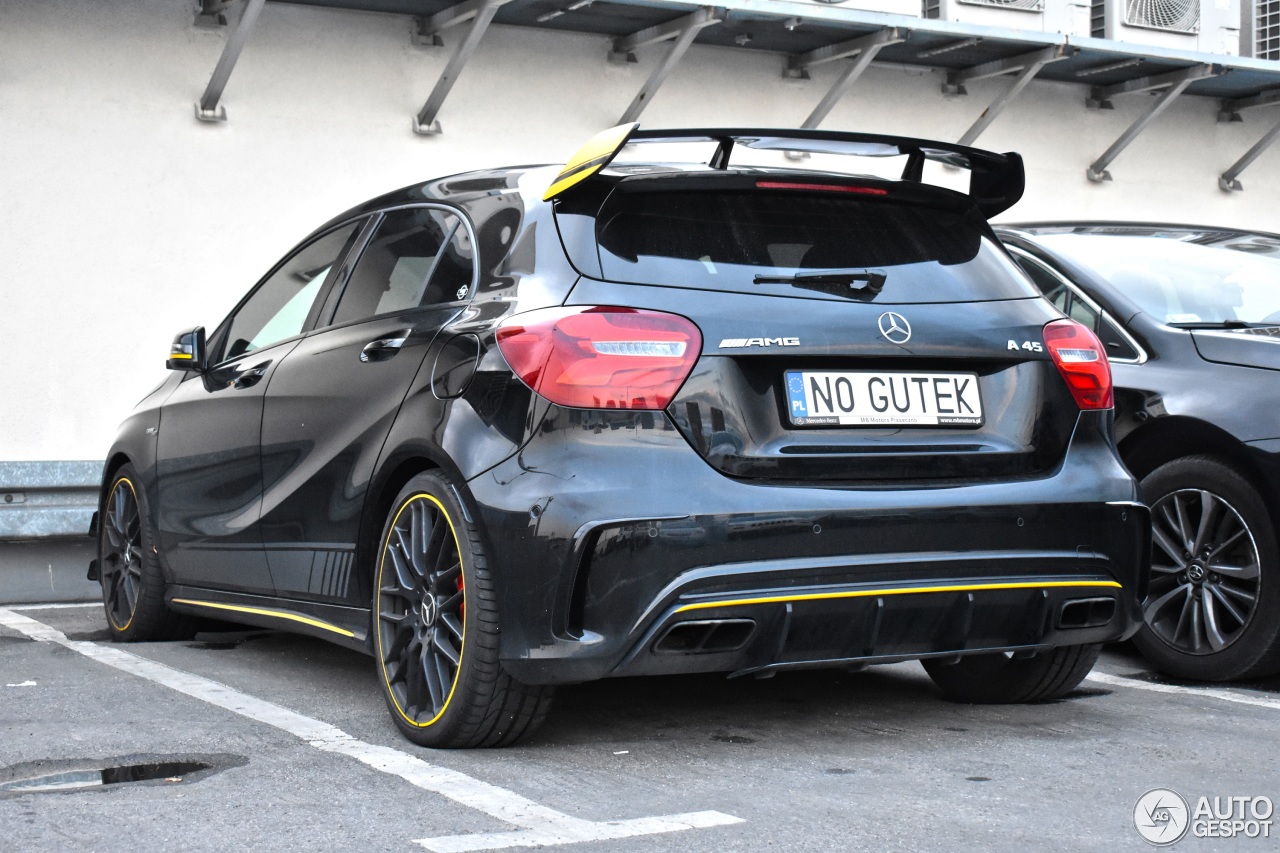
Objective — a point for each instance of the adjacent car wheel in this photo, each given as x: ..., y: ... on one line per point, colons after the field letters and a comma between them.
x: 435, y: 616
x: 996, y: 679
x: 1212, y: 610
x: 133, y: 586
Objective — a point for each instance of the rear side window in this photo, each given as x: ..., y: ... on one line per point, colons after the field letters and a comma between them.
x: 725, y: 240
x: 417, y: 257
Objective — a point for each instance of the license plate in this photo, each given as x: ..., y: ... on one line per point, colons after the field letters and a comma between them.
x: 882, y: 398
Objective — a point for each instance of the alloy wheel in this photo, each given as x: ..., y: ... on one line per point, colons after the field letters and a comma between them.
x: 1205, y: 572
x: 421, y: 610
x: 121, y: 558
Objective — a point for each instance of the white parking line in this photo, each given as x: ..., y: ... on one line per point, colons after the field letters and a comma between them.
x: 65, y: 606
x: 1211, y: 692
x: 539, y: 825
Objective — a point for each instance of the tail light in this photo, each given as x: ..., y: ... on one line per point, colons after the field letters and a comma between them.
x: 601, y: 357
x: 1080, y: 359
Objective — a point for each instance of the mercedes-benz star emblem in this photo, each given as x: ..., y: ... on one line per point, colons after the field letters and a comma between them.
x: 895, y: 327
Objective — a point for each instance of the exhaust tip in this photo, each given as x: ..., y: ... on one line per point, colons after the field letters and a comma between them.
x: 704, y: 637
x: 1086, y: 613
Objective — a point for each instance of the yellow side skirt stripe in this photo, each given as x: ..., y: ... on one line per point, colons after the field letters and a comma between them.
x: 275, y: 614
x: 907, y: 590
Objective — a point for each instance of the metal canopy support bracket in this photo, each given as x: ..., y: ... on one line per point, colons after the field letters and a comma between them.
x: 1175, y: 81
x: 209, y: 13
x: 207, y: 108
x: 1227, y: 180
x: 865, y: 47
x: 682, y: 31
x: 1028, y: 64
x: 1231, y: 109
x: 480, y: 13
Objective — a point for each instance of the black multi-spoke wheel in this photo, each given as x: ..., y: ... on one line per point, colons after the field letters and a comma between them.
x: 121, y: 555
x: 436, y: 628
x: 133, y: 586
x: 1212, y: 609
x: 421, y: 610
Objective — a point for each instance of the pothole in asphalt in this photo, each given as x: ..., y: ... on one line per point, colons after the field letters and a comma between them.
x: 74, y: 775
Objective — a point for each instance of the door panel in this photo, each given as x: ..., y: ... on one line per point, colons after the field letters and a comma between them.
x: 210, y: 475
x: 333, y: 401
x: 323, y: 425
x: 209, y: 452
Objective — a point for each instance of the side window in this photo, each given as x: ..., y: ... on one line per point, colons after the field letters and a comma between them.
x: 278, y: 309
x: 1050, y: 285
x: 1115, y: 343
x: 417, y: 257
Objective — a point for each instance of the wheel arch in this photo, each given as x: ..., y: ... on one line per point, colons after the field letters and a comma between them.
x: 114, y: 463
x: 398, y: 469
x: 1165, y: 439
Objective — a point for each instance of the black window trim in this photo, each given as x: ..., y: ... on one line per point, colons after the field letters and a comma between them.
x: 324, y: 321
x: 1077, y: 293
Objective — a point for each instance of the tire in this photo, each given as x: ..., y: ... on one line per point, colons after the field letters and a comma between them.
x: 998, y: 679
x: 133, y: 587
x: 1212, y: 610
x: 435, y: 628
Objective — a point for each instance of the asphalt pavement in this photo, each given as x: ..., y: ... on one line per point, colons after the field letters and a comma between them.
x: 257, y: 740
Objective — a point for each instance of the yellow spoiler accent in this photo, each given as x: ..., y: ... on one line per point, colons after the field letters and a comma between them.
x: 591, y: 158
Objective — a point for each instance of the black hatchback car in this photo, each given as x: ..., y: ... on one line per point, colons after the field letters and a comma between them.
x: 530, y: 426
x: 1190, y: 317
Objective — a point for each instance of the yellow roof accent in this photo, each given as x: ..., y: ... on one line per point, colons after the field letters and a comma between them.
x: 591, y: 158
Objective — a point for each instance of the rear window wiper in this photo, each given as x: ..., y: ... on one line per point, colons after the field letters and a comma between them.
x: 853, y: 283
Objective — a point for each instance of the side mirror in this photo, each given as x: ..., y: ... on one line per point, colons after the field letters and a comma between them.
x: 187, y: 352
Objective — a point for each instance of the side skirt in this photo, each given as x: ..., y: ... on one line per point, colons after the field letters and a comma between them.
x: 346, y: 626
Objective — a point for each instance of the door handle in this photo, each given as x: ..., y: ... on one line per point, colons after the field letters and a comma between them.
x: 250, y: 377
x: 383, y: 348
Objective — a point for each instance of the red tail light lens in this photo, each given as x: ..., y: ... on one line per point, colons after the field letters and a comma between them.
x: 601, y: 357
x: 1081, y: 361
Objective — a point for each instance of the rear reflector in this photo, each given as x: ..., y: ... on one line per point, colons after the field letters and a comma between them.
x: 601, y: 357
x: 825, y: 188
x: 1082, y: 362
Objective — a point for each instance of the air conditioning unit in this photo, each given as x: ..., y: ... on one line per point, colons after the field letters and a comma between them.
x: 1262, y: 26
x: 1046, y: 16
x: 1204, y: 26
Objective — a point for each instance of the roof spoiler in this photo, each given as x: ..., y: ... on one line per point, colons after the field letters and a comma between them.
x: 996, y: 181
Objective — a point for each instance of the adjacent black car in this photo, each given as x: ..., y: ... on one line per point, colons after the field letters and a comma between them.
x: 530, y: 426
x: 1190, y: 317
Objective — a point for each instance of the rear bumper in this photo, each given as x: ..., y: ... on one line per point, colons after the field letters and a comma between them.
x: 616, y: 548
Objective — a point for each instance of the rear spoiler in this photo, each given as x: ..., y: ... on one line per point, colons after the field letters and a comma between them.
x: 996, y: 181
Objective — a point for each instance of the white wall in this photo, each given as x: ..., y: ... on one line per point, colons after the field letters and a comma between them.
x: 124, y: 220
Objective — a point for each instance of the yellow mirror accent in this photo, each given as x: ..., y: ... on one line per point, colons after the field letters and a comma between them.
x: 591, y: 158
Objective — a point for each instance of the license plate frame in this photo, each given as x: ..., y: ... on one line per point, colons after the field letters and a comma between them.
x: 818, y: 398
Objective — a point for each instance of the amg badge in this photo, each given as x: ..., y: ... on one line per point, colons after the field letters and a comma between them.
x: 735, y: 343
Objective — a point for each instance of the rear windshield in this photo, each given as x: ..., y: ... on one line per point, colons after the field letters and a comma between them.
x: 728, y: 240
